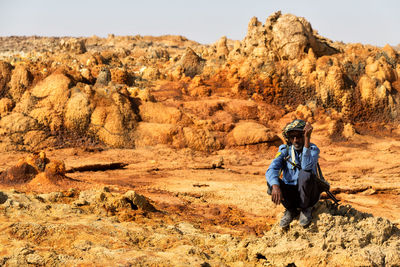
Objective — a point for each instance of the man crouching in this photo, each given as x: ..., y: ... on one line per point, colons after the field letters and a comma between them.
x: 297, y: 162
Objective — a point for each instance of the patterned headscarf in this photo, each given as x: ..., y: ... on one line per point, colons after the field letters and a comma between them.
x: 296, y: 125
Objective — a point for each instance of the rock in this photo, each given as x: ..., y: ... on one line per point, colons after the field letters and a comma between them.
x: 35, y: 139
x: 343, y: 230
x: 255, y: 36
x: 6, y: 105
x: 104, y: 77
x: 143, y: 94
x: 83, y: 245
x: 21, y: 79
x: 52, y: 197
x: 380, y: 70
x: 223, y: 121
x: 35, y: 259
x: 120, y: 76
x: 390, y: 52
x: 3, y: 197
x: 151, y: 134
x: 329, y: 81
x: 242, y: 109
x: 290, y: 37
x: 202, y: 140
x: 160, y: 113
x: 158, y: 53
x: 5, y: 76
x: 73, y: 45
x: 251, y: 133
x: 150, y: 73
x: 113, y: 120
x: 17, y: 123
x: 19, y: 174
x: 191, y: 63
x: 349, y: 131
x: 90, y: 197
x: 222, y: 48
x: 54, y: 92
x: 139, y: 200
x: 77, y: 113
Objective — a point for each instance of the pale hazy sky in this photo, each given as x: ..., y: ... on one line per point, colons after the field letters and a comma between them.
x: 204, y: 21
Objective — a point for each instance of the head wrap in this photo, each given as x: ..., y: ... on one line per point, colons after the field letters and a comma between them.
x: 296, y: 125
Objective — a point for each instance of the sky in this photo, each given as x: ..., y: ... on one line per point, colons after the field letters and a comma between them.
x: 205, y: 21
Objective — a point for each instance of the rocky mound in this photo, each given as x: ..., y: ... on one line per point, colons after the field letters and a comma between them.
x: 127, y: 91
x: 37, y: 172
x: 338, y: 236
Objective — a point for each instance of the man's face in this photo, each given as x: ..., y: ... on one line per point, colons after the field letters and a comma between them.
x: 297, y: 139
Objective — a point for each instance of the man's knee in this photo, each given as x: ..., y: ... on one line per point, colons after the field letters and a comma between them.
x: 305, y: 178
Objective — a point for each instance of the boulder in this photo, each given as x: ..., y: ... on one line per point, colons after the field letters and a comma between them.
x: 223, y: 121
x: 77, y: 112
x: 5, y: 76
x: 103, y: 77
x: 222, y: 48
x: 143, y: 94
x: 289, y: 37
x: 380, y: 70
x: 139, y: 201
x: 20, y: 81
x: 242, y: 109
x: 120, y: 76
x: 73, y: 45
x: 160, y: 113
x: 17, y: 123
x: 390, y: 52
x: 53, y: 92
x: 191, y: 63
x: 151, y: 134
x: 329, y: 83
x: 6, y: 105
x: 113, y: 120
x: 202, y: 140
x: 251, y: 133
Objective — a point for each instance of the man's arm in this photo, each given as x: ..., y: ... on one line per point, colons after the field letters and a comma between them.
x: 310, y: 152
x: 307, y: 134
x: 272, y: 175
x: 310, y: 158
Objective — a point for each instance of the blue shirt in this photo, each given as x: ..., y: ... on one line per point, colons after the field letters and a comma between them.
x: 307, y: 159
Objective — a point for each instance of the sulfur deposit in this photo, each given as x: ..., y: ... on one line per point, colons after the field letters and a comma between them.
x: 193, y: 128
x: 105, y: 89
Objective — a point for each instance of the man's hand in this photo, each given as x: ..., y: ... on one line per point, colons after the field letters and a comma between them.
x: 276, y: 194
x: 307, y: 134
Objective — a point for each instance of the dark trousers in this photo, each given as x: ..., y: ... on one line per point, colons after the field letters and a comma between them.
x: 303, y: 195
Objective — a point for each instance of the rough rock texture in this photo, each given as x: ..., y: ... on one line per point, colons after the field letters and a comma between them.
x: 98, y: 90
x: 250, y: 133
x: 341, y: 236
x: 124, y: 228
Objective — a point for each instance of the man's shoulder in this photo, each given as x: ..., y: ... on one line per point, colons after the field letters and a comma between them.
x: 313, y: 147
x: 283, y: 147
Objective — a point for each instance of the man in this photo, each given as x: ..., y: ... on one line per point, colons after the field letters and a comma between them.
x: 297, y: 161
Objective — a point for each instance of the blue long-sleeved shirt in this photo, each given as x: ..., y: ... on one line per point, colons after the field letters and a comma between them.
x: 307, y: 159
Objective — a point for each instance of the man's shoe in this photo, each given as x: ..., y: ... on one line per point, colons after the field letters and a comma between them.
x: 287, y: 218
x: 305, y: 217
